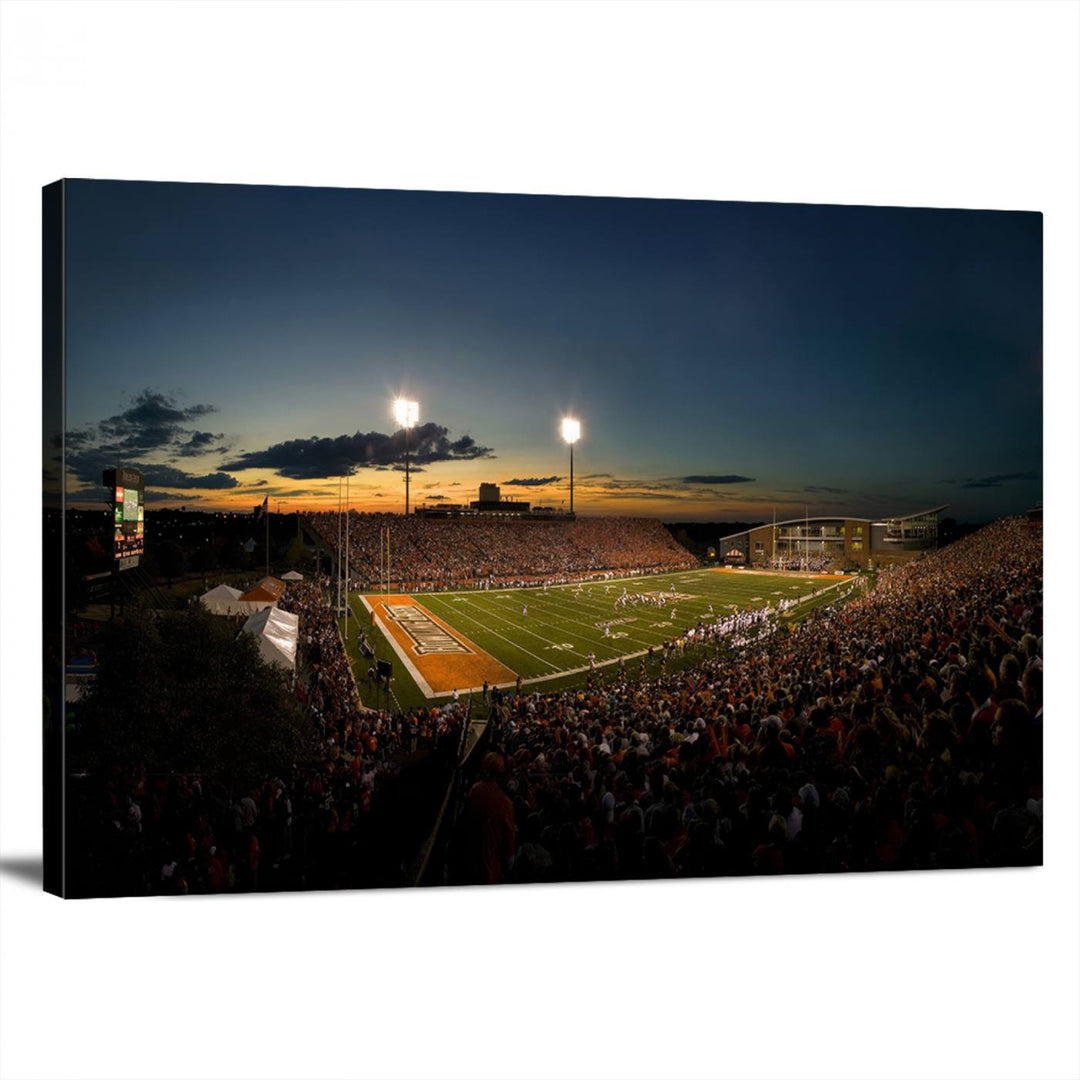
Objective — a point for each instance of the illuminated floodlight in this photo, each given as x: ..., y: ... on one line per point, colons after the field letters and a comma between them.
x: 407, y: 413
x: 571, y: 432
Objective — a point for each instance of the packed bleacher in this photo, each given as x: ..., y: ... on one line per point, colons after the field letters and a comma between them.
x: 899, y: 730
x: 436, y: 553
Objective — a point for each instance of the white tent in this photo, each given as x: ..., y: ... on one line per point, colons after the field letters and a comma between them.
x: 292, y: 575
x: 276, y: 632
x: 225, y: 600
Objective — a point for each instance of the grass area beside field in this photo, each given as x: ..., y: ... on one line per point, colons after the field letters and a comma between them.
x: 182, y: 589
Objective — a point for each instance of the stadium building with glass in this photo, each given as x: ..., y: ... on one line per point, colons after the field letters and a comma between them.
x: 833, y: 543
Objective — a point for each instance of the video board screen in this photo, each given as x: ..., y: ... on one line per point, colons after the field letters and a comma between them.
x: 127, y: 513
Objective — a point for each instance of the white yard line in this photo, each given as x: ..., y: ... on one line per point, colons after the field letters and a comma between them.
x: 520, y: 648
x: 556, y: 672
x: 613, y: 616
x: 615, y: 651
x: 594, y: 638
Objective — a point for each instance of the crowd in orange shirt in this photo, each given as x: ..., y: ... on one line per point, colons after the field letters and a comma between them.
x: 899, y: 730
x: 430, y: 553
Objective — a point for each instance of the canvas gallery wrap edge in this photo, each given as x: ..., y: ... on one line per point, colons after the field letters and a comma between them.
x: 400, y: 538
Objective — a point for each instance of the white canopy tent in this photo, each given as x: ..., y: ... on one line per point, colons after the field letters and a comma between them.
x: 225, y: 600
x: 292, y: 575
x: 276, y: 632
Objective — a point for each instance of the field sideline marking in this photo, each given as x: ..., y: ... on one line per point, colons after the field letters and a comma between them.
x: 412, y: 669
x: 697, y: 604
x: 590, y: 626
x: 507, y: 592
x: 569, y: 633
x: 602, y: 642
x: 499, y: 594
x: 555, y: 673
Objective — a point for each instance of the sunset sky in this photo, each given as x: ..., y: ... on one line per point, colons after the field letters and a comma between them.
x: 724, y: 359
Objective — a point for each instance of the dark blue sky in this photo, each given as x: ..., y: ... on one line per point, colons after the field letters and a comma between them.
x: 723, y: 357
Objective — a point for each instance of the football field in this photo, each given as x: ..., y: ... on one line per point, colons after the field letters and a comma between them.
x: 440, y: 642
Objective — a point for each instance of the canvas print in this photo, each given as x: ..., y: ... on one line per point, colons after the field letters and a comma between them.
x: 407, y: 538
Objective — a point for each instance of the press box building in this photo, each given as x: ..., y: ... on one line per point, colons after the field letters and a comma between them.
x: 844, y: 541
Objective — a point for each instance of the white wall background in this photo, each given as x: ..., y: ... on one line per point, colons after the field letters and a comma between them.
x: 932, y: 104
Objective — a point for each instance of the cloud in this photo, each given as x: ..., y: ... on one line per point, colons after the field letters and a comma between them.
x: 169, y: 477
x: 260, y: 483
x: 531, y: 481
x: 821, y: 489
x: 712, y: 479
x: 434, y: 498
x: 154, y: 421
x: 201, y: 442
x: 611, y: 483
x: 315, y: 457
x: 627, y: 493
x: 154, y: 425
x: 88, y: 466
x: 998, y: 480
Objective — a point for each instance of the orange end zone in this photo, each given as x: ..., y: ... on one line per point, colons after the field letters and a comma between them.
x: 457, y: 665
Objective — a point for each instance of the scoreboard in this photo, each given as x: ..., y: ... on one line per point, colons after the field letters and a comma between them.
x: 128, y: 525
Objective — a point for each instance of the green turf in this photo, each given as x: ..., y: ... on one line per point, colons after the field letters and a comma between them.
x: 561, y: 627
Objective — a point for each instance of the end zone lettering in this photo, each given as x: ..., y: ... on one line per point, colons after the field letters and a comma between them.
x: 426, y: 634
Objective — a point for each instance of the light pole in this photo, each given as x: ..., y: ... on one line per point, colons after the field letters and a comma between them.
x: 571, y: 432
x: 407, y: 413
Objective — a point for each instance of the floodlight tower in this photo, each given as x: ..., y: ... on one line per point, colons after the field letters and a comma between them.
x: 407, y: 413
x: 571, y: 432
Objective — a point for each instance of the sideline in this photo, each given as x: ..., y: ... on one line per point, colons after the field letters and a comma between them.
x: 564, y: 673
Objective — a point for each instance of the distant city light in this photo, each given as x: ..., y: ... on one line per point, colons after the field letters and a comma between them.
x: 571, y: 430
x: 407, y: 413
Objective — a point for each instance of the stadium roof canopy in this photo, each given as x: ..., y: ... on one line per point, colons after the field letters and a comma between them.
x: 842, y: 517
x: 908, y: 517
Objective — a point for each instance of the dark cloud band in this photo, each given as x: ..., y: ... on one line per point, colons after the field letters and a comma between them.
x: 728, y: 478
x: 315, y: 457
x: 531, y: 481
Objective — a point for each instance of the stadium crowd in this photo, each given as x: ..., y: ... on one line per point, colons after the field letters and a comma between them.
x: 350, y: 817
x: 899, y: 730
x: 442, y: 553
x: 808, y: 563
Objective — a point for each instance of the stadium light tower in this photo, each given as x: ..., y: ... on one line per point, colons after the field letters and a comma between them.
x: 571, y: 432
x: 407, y: 413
